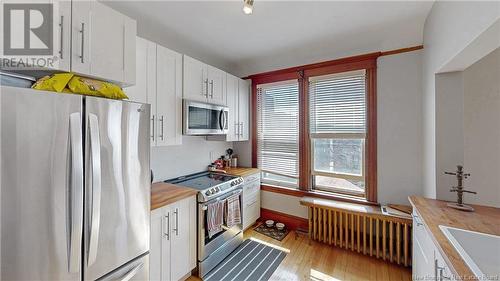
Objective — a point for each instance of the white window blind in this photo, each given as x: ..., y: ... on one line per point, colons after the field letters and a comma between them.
x: 338, y: 103
x: 278, y: 131
x: 338, y: 131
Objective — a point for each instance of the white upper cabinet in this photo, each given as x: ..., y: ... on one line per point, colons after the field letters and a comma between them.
x: 203, y: 82
x: 62, y: 33
x: 238, y: 101
x: 244, y: 109
x: 232, y: 103
x: 168, y: 96
x: 195, y: 80
x: 216, y: 83
x: 159, y: 83
x: 103, y: 43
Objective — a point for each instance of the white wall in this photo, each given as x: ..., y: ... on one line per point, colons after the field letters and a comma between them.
x: 449, y: 131
x: 399, y: 109
x: 191, y: 157
x: 481, y: 128
x: 449, y: 28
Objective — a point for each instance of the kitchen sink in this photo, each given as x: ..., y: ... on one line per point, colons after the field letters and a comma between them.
x: 480, y: 251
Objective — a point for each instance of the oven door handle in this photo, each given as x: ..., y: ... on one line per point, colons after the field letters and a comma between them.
x: 223, y: 197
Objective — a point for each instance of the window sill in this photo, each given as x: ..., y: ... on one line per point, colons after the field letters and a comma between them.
x: 314, y: 193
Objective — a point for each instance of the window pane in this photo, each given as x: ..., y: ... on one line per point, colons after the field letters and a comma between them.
x: 341, y: 156
x: 278, y: 179
x: 339, y: 185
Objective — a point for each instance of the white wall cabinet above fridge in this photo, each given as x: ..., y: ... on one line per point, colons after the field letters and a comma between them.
x: 159, y: 83
x: 238, y: 101
x: 203, y: 82
x: 102, y: 43
x: 92, y: 40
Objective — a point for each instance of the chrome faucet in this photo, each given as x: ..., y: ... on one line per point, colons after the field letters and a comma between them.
x: 459, y: 189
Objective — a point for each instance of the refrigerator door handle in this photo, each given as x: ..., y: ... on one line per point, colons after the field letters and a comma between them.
x: 132, y: 272
x: 95, y: 155
x: 76, y: 191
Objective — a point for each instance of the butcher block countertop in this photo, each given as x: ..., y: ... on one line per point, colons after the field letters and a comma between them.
x: 163, y: 194
x: 435, y: 212
x: 241, y: 172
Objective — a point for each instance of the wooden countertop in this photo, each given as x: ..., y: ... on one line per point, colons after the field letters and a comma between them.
x: 166, y: 193
x: 241, y: 172
x: 435, y: 212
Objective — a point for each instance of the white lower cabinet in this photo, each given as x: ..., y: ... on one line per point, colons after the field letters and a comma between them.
x: 427, y: 264
x: 251, y: 199
x: 173, y: 240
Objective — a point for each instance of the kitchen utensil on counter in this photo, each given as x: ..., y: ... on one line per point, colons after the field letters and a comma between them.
x: 234, y: 162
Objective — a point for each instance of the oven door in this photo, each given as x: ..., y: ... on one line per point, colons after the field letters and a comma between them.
x: 207, y: 245
x: 204, y: 118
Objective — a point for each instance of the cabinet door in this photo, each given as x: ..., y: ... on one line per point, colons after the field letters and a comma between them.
x: 80, y: 36
x: 138, y: 92
x: 243, y: 110
x: 62, y: 33
x: 181, y: 243
x: 155, y: 254
x: 166, y: 244
x: 168, y: 96
x: 103, y: 42
x: 423, y: 251
x: 216, y: 83
x: 151, y: 89
x: 111, y: 44
x: 195, y: 81
x: 232, y: 103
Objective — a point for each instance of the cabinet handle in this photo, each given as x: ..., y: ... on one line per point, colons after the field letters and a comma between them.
x: 123, y: 47
x: 241, y: 134
x: 82, y: 49
x: 176, y: 229
x: 153, y: 130
x: 161, y: 121
x: 212, y: 89
x: 236, y: 129
x: 61, y: 38
x: 166, y: 224
x: 206, y: 88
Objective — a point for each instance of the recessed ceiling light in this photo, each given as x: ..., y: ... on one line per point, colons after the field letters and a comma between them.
x: 247, y: 7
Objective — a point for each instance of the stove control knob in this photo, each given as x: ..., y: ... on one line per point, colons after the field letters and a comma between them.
x: 208, y: 193
x: 213, y: 191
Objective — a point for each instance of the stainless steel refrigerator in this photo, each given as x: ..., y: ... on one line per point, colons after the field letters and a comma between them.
x: 75, y: 187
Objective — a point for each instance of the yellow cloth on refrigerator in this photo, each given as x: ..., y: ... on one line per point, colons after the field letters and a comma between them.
x: 54, y: 83
x: 92, y: 87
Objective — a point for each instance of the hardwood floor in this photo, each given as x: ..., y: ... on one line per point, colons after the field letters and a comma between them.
x: 319, y: 262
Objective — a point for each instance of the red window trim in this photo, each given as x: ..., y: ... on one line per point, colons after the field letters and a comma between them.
x: 302, y: 74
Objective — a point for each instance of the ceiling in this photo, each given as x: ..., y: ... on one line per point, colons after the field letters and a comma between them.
x: 278, y: 33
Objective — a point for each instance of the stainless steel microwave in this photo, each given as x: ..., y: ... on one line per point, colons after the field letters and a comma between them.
x: 203, y: 119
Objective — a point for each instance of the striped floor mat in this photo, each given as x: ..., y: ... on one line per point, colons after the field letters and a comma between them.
x: 251, y: 261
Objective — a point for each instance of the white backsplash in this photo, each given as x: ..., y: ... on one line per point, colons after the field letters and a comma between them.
x: 191, y: 157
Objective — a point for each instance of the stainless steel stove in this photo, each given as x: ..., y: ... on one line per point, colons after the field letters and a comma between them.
x: 213, y: 187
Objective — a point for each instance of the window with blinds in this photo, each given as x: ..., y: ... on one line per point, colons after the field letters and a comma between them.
x: 278, y: 133
x: 338, y: 132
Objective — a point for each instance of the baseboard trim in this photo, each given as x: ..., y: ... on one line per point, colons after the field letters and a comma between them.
x: 292, y: 222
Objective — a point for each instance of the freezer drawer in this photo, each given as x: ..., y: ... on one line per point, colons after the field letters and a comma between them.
x: 136, y: 270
